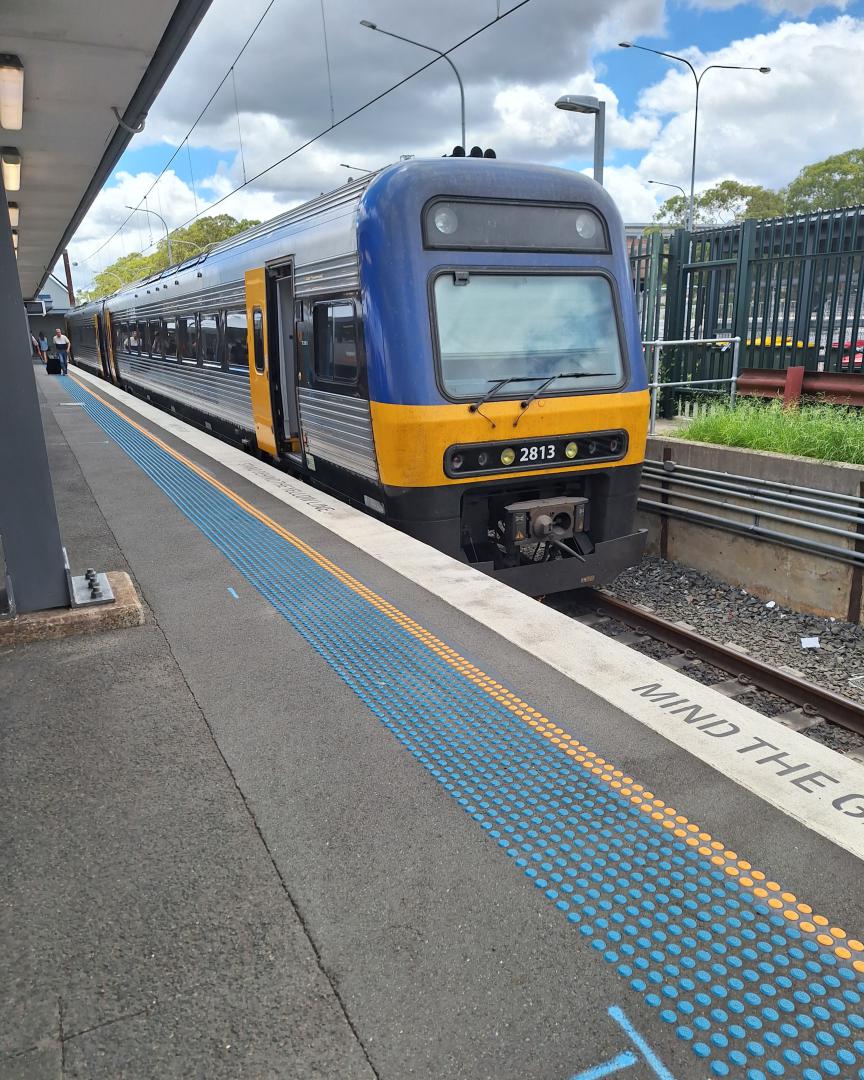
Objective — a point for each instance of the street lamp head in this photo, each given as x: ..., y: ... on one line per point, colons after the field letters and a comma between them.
x: 764, y: 70
x: 578, y: 103
x: 625, y: 45
x: 371, y: 25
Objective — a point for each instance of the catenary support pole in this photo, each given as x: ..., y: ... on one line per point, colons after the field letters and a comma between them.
x: 30, y: 534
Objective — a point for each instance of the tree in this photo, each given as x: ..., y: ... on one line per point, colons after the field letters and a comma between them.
x: 726, y: 203
x: 837, y: 181
x: 185, y: 243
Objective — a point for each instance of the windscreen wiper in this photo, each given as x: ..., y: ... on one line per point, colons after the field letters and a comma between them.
x: 554, y: 378
x: 475, y: 406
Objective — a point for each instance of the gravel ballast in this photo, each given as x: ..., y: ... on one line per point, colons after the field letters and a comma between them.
x: 768, y: 631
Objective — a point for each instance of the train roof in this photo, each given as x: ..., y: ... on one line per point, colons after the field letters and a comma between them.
x: 406, y: 180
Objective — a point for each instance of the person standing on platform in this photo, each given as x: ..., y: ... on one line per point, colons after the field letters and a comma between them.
x: 43, y: 346
x: 61, y: 344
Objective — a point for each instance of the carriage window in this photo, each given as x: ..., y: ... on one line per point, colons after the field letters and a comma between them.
x: 188, y: 338
x: 527, y: 328
x: 236, y: 341
x: 335, y: 328
x: 155, y: 337
x: 209, y: 339
x: 258, y: 338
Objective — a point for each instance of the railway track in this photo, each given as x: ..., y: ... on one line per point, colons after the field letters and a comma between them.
x: 809, y: 703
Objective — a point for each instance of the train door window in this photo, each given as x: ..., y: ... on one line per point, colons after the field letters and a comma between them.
x: 169, y: 338
x: 258, y: 338
x: 236, y: 340
x: 303, y: 338
x: 188, y: 338
x: 155, y: 335
x: 209, y: 339
x: 335, y: 329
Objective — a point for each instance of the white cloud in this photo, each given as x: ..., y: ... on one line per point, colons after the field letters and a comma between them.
x: 762, y: 128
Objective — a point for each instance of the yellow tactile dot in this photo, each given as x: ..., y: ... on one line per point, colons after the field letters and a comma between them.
x: 775, y: 903
x: 791, y: 915
x: 772, y: 885
x: 716, y: 860
x: 705, y: 836
x: 820, y: 920
x: 805, y: 908
x: 789, y: 897
x: 617, y: 773
x: 837, y: 932
x: 628, y: 779
x: 844, y: 954
x: 808, y: 927
x: 858, y: 965
x: 657, y: 816
x: 732, y: 871
x: 824, y: 939
x: 572, y: 753
x: 692, y: 827
x: 760, y: 892
x: 626, y: 791
x: 691, y: 840
x: 855, y: 945
x: 747, y: 882
x: 670, y: 811
x: 744, y: 865
x: 615, y: 784
x: 758, y: 875
x: 704, y: 850
x: 716, y: 845
x: 730, y: 855
x: 635, y: 798
x: 606, y: 777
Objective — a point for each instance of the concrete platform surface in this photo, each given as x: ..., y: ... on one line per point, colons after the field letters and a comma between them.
x: 286, y: 827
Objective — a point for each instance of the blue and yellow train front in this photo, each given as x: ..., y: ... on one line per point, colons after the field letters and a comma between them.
x: 507, y: 386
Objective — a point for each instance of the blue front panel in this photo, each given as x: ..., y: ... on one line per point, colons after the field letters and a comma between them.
x: 395, y: 268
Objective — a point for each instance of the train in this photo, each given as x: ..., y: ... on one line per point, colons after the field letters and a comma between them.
x: 450, y: 345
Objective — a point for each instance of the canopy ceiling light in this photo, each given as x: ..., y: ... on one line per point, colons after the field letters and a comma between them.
x: 11, y: 92
x: 15, y: 239
x: 13, y: 214
x: 10, y: 162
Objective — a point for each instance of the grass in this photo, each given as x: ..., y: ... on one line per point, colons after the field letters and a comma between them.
x: 827, y: 432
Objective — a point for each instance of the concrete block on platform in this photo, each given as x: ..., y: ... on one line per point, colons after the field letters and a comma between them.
x: 126, y: 610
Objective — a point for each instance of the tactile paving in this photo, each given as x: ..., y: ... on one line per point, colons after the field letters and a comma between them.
x: 753, y: 994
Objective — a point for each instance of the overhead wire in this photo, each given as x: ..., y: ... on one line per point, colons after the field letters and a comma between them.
x: 325, y: 131
x: 356, y: 112
x: 207, y: 105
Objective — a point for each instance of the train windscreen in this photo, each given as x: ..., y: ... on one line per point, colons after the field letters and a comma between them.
x: 526, y: 329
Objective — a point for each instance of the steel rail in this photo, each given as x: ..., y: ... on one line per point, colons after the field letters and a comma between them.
x: 809, y: 696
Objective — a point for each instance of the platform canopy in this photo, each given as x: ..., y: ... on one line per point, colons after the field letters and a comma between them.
x: 80, y: 59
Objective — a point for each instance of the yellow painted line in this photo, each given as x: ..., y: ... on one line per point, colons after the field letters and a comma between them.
x: 653, y: 807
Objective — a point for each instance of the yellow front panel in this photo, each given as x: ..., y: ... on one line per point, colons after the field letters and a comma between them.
x: 410, y: 440
x: 259, y: 382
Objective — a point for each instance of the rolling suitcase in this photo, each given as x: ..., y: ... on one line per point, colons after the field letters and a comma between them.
x: 52, y: 367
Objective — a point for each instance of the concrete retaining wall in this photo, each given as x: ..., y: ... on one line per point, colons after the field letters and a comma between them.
x: 806, y: 582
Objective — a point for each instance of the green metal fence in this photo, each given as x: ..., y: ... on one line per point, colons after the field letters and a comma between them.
x: 791, y: 288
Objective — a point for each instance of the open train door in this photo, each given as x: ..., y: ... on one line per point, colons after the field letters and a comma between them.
x: 102, y: 348
x: 282, y: 341
x: 106, y: 348
x: 259, y: 360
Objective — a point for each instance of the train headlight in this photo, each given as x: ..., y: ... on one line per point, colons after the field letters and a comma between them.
x: 482, y: 459
x: 586, y: 226
x: 508, y: 456
x: 571, y: 450
x: 445, y: 220
x: 457, y: 461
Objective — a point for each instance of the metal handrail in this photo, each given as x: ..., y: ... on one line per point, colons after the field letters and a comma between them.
x: 655, y: 385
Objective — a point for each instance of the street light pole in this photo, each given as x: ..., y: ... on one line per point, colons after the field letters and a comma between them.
x: 584, y: 104
x: 698, y: 79
x: 430, y: 48
x: 143, y: 210
x: 662, y: 183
